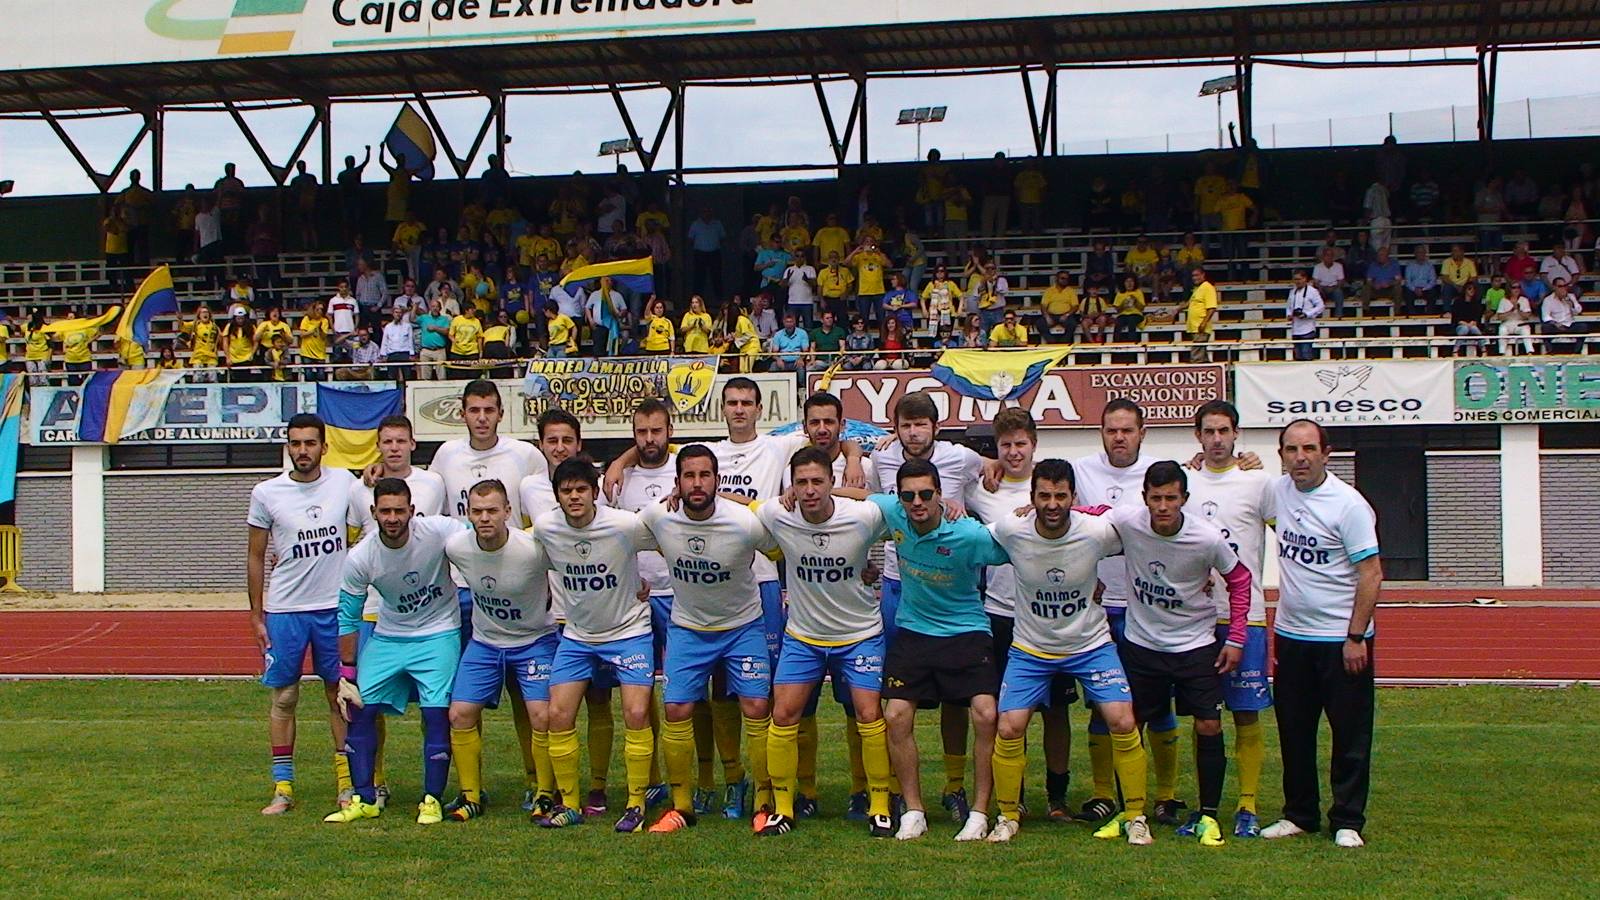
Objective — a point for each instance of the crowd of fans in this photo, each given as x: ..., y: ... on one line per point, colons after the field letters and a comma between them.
x: 859, y: 284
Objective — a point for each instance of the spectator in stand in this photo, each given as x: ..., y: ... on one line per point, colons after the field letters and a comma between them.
x: 869, y: 228
x: 1129, y: 307
x: 827, y: 338
x: 990, y: 296
x: 1522, y: 195
x: 1029, y: 188
x: 184, y: 213
x: 1008, y: 332
x: 1521, y: 264
x: 407, y: 242
x: 835, y: 283
x: 168, y: 358
x: 1237, y: 213
x: 562, y: 334
x: 1097, y: 316
x: 611, y: 213
x: 1328, y: 276
x: 239, y: 339
x: 1248, y: 160
x: 660, y: 337
x: 831, y: 238
x: 262, y: 240
x: 276, y: 358
x: 972, y: 269
x: 344, y: 312
x: 1515, y: 318
x: 931, y: 184
x: 565, y: 211
x: 395, y: 344
x: 397, y: 196
x: 942, y: 299
x: 799, y: 285
x: 1560, y: 265
x: 372, y: 294
x: 434, y: 328
x: 763, y: 317
x: 653, y: 213
x: 1455, y: 273
x: 606, y: 313
x: 1059, y: 305
x: 138, y: 208
x: 1207, y: 188
x: 1330, y: 241
x: 1466, y: 317
x: 957, y: 211
x: 500, y: 344
x: 994, y: 210
x: 571, y: 302
x: 495, y: 182
x: 1559, y: 311
x: 1490, y: 205
x: 1200, y: 321
x: 364, y: 358
x: 1100, y: 268
x: 1422, y: 283
x: 789, y: 345
x: 1305, y: 308
x: 858, y: 344
x: 1376, y: 213
x: 771, y: 264
x: 477, y: 289
x: 1534, y: 288
x: 1168, y: 274
x: 696, y: 327
x: 270, y: 329
x: 441, y: 282
x: 466, y: 344
x: 350, y: 193
x: 869, y: 266
x: 914, y: 259
x: 303, y: 186
x: 1384, y: 279
x: 706, y: 235
x: 1391, y: 164
x: 655, y: 241
x: 408, y: 299
x: 229, y: 191
x: 200, y: 335
x: 1140, y: 262
x: 354, y: 256
x: 737, y: 334
x: 1424, y: 197
x: 130, y: 353
x: 1358, y: 258
x: 795, y: 237
x: 971, y: 334
x: 1100, y: 206
x: 891, y: 342
x: 899, y: 302
x: 114, y: 240
x: 315, y: 329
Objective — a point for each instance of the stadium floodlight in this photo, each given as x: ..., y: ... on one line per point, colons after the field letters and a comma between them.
x: 920, y: 116
x: 616, y: 148
x: 1217, y: 87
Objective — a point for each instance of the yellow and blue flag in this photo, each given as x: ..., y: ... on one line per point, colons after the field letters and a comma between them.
x: 994, y: 374
x: 11, y: 391
x: 108, y: 398
x: 410, y: 142
x: 352, y: 419
x: 637, y: 275
x: 64, y: 326
x: 155, y: 297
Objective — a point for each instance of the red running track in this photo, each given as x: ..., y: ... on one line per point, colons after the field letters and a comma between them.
x: 1526, y: 642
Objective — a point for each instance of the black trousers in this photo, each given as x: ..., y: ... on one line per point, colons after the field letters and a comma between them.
x: 1309, y: 682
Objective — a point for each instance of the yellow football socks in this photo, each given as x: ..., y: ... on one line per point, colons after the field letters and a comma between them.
x: 1127, y: 758
x: 602, y: 731
x: 519, y: 718
x: 783, y: 758
x: 955, y: 772
x: 875, y: 762
x: 564, y: 765
x: 545, y: 776
x: 806, y: 774
x: 341, y: 771
x: 466, y: 748
x: 726, y: 722
x: 638, y: 748
x: 1249, y: 750
x: 1009, y: 763
x: 755, y: 739
x: 1100, y: 764
x: 705, y: 746
x: 858, y: 770
x: 1164, y: 750
x: 677, y: 741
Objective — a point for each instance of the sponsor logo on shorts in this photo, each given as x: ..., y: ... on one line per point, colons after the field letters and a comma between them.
x: 633, y: 662
x: 866, y: 663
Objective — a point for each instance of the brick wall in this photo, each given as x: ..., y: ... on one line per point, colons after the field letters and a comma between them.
x: 44, y: 513
x: 1464, y: 520
x: 1571, y: 519
x: 183, y: 533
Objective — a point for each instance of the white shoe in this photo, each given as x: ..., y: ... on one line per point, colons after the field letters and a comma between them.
x: 1139, y: 831
x: 1283, y: 828
x: 913, y: 824
x: 1348, y: 837
x: 976, y: 829
x: 1004, y: 830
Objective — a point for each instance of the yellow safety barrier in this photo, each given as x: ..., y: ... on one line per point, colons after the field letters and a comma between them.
x: 10, y: 558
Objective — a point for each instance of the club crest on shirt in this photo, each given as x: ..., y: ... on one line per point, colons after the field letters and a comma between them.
x: 737, y: 462
x: 583, y: 548
x: 487, y: 582
x: 1056, y: 576
x: 697, y: 545
x: 314, y: 513
x: 1299, y: 514
x: 1113, y: 494
x: 1157, y: 569
x: 897, y: 535
x: 412, y: 579
x: 1209, y: 509
x: 943, y: 551
x: 820, y: 539
x: 653, y: 491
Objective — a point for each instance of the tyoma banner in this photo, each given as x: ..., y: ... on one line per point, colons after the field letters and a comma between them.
x: 1359, y: 392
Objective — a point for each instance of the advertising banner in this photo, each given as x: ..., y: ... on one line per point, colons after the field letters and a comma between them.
x: 602, y: 394
x: 1063, y: 398
x: 192, y: 413
x: 1511, y: 392
x: 1361, y: 392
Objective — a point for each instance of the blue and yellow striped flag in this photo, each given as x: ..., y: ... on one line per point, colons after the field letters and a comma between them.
x: 410, y: 142
x: 994, y: 374
x: 637, y: 275
x: 155, y: 297
x: 352, y: 419
x: 115, y: 404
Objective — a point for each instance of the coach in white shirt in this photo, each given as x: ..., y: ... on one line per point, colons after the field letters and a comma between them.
x: 1330, y: 575
x: 1305, y: 307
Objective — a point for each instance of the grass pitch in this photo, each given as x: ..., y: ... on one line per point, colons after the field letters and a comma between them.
x: 152, y: 788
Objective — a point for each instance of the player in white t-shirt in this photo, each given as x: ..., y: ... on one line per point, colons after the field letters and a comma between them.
x: 1330, y: 578
x: 593, y: 553
x: 1170, y: 650
x: 1060, y: 632
x: 916, y: 425
x: 301, y: 513
x: 835, y: 628
x: 513, y: 638
x: 1239, y: 503
x: 414, y: 650
x: 1016, y: 440
x: 395, y: 446
x: 709, y: 544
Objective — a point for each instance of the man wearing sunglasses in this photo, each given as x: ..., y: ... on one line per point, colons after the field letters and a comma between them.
x: 941, y: 651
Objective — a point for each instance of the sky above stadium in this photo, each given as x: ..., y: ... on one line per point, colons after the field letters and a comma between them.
x: 1135, y: 110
